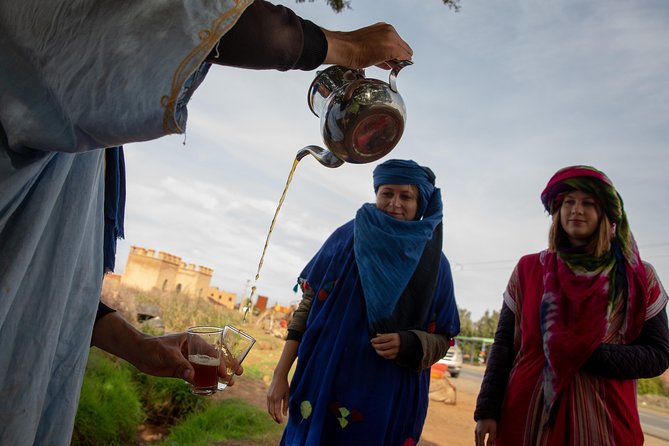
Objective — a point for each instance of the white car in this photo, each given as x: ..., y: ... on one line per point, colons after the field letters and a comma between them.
x: 453, y: 360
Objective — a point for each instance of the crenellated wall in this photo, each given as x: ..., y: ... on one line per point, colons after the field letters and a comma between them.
x: 165, y: 272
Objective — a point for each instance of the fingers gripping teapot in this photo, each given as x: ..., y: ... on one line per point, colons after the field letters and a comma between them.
x: 361, y: 119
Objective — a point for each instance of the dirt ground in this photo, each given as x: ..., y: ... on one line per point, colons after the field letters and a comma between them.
x: 446, y: 424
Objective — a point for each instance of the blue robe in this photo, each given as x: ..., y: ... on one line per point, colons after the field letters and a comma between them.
x: 343, y: 392
x: 76, y: 77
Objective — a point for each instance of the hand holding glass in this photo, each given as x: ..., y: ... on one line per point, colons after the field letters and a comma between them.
x: 236, y: 345
x: 204, y: 354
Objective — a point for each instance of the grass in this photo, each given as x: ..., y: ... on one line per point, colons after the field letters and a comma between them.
x: 116, y: 398
x: 231, y: 419
x: 109, y: 407
x: 167, y: 401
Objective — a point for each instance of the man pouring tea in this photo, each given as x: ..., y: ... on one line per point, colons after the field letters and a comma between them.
x: 78, y: 78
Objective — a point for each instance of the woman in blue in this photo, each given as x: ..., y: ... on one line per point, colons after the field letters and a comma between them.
x: 378, y: 310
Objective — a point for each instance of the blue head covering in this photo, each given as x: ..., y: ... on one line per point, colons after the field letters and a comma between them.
x: 387, y: 250
x: 407, y: 172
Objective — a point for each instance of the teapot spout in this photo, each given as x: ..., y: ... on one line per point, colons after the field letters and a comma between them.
x: 325, y: 157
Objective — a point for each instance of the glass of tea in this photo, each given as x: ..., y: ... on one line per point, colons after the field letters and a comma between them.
x: 236, y: 345
x: 204, y: 354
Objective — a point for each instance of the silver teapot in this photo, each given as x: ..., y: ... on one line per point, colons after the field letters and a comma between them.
x: 361, y: 119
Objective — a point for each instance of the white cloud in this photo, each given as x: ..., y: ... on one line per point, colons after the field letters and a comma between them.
x: 501, y: 95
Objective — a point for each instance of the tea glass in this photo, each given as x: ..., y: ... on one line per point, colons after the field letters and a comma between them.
x: 204, y: 354
x: 236, y: 345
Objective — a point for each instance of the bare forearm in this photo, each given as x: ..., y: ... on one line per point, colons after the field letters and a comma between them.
x: 113, y: 334
x: 288, y: 356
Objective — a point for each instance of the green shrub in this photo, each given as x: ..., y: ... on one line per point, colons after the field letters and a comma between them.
x: 109, y: 407
x: 180, y: 312
x: 230, y: 419
x: 652, y: 386
x: 167, y: 400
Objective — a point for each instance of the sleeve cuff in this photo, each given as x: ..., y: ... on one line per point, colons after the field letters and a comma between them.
x: 411, y: 350
x: 315, y: 47
x: 103, y: 310
x: 294, y: 335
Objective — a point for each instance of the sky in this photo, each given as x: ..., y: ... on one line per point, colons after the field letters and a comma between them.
x: 500, y: 96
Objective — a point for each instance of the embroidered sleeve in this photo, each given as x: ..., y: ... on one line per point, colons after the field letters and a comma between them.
x: 513, y: 300
x: 657, y: 298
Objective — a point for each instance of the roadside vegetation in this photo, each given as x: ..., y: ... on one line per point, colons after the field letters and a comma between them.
x: 117, y: 401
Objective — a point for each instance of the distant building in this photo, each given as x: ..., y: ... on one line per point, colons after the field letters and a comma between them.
x: 224, y: 298
x: 111, y: 282
x: 165, y: 272
x: 261, y: 303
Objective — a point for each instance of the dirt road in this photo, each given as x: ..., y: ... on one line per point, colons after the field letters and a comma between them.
x: 448, y: 425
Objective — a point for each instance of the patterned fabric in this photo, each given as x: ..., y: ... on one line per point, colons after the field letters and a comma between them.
x: 612, y: 288
x: 342, y: 392
x: 592, y: 181
x: 567, y: 303
x: 591, y: 410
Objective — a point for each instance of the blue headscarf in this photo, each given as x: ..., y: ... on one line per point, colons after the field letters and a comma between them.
x: 387, y: 250
x: 407, y: 172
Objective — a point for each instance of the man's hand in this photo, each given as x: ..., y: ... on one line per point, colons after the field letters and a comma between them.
x: 364, y: 47
x: 165, y: 356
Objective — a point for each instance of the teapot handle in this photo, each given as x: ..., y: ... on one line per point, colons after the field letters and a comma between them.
x: 395, y: 67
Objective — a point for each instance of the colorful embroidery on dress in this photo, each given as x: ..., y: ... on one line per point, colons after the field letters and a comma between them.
x: 305, y: 409
x: 342, y: 413
x: 325, y: 290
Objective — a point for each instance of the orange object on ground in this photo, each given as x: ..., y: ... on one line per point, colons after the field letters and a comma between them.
x: 438, y: 370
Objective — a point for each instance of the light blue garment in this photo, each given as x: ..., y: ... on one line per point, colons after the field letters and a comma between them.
x: 76, y: 77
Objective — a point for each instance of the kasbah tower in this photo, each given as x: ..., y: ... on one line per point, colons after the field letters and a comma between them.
x: 167, y: 272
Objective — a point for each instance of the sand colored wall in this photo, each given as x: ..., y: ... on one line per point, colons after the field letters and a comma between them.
x: 111, y: 282
x: 147, y: 270
x: 224, y: 298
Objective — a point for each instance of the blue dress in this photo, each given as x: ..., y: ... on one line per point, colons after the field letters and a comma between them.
x: 343, y: 392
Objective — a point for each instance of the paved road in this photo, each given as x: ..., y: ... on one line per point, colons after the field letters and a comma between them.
x: 652, y: 423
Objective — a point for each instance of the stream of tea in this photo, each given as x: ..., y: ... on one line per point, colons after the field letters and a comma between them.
x: 269, y: 234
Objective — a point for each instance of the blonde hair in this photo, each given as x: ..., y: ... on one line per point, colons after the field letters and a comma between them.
x: 599, y: 244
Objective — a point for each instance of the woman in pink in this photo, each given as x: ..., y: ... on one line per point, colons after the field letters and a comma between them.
x: 581, y: 321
